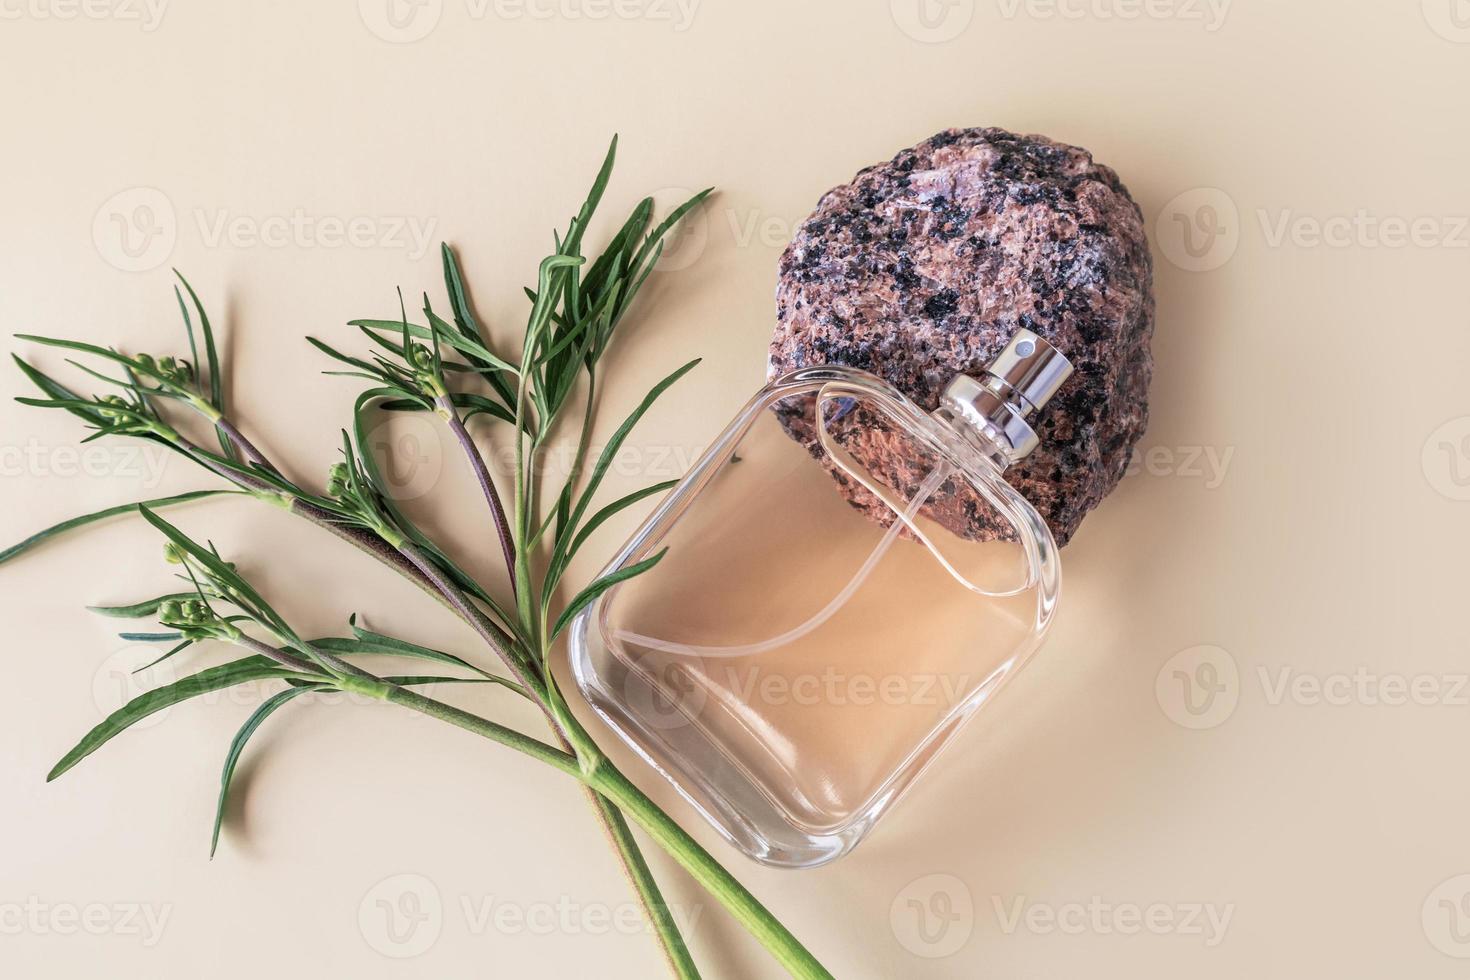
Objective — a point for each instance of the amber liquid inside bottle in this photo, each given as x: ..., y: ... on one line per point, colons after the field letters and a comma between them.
x: 816, y: 647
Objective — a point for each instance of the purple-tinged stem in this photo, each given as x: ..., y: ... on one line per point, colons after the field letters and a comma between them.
x: 487, y: 485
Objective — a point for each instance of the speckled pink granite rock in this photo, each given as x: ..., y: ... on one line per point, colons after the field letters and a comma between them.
x: 923, y: 267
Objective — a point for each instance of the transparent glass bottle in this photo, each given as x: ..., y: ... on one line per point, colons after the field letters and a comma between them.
x: 847, y: 578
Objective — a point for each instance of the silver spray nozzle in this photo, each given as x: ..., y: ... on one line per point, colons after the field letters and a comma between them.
x: 1022, y: 378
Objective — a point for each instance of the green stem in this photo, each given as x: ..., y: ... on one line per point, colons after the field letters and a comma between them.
x: 607, y: 780
x: 533, y: 747
x: 283, y: 657
x: 242, y: 444
x: 363, y: 540
x: 671, y: 941
x: 634, y: 865
x: 526, y: 672
x: 417, y: 568
x: 736, y: 898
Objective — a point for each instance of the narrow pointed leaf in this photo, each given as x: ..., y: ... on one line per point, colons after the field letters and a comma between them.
x: 169, y: 653
x: 454, y: 339
x: 216, y: 380
x: 216, y: 392
x: 553, y: 575
x: 212, y: 679
x: 586, y: 596
x: 609, y: 453
x: 237, y: 746
x: 42, y: 536
x: 366, y: 641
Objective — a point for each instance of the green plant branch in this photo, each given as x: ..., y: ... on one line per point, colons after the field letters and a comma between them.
x: 634, y: 865
x: 245, y: 446
x: 424, y: 572
x: 420, y: 568
x: 612, y: 784
x: 671, y: 941
x: 533, y: 747
x: 575, y: 308
x: 283, y: 657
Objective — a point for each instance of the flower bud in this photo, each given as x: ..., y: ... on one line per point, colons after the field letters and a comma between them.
x: 108, y: 407
x: 338, y: 479
x: 176, y: 370
x: 419, y: 357
x: 173, y: 554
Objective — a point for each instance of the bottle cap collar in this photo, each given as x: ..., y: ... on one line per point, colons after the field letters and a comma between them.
x: 1022, y: 378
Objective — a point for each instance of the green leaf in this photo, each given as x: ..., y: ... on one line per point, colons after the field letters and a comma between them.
x: 459, y: 302
x: 216, y: 380
x: 373, y: 371
x: 366, y: 641
x: 126, y: 384
x: 103, y: 352
x: 454, y: 339
x: 41, y: 536
x: 48, y: 384
x: 597, y: 519
x: 656, y: 236
x: 77, y: 405
x: 469, y: 327
x: 216, y: 393
x: 555, y: 571
x: 139, y: 609
x: 250, y: 470
x: 193, y: 342
x: 82, y: 408
x: 560, y: 551
x: 237, y: 746
x: 480, y: 405
x: 213, y: 679
x: 184, y: 645
x: 597, y: 588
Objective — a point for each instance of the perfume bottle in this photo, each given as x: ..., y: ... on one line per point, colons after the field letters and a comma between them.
x: 845, y: 578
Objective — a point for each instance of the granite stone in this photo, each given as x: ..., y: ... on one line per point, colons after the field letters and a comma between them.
x: 922, y: 267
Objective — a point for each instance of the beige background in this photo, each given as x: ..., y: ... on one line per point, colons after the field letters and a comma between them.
x: 1301, y: 510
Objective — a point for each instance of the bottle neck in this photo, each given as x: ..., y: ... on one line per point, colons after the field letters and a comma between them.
x: 989, y: 414
x: 986, y: 439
